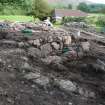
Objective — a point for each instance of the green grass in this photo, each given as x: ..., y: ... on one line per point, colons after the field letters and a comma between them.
x: 16, y: 18
x: 96, y: 14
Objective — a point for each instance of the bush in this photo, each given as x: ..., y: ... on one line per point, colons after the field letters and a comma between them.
x: 91, y: 20
x: 73, y: 19
x: 11, y: 10
x: 101, y: 21
x: 41, y: 9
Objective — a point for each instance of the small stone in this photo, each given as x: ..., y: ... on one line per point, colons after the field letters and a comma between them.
x: 10, y: 101
x: 70, y: 103
x: 21, y: 44
x: 51, y: 59
x: 50, y: 39
x: 55, y: 46
x: 22, y: 82
x: 32, y: 76
x: 9, y: 66
x: 67, y: 85
x: 59, y: 38
x: 58, y: 66
x: 86, y: 93
x: 31, y: 42
x: 85, y: 46
x: 91, y: 94
x: 24, y: 58
x: 1, y: 60
x: 26, y: 66
x: 33, y: 86
x: 81, y: 91
x: 43, y: 81
x: 36, y: 42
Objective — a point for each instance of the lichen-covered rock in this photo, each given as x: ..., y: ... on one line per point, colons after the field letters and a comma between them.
x: 52, y: 59
x: 67, y: 85
x: 50, y: 39
x: 43, y: 80
x: 86, y: 93
x: 67, y: 40
x: 36, y: 43
x: 55, y: 46
x: 85, y: 46
x: 46, y: 49
x: 32, y: 75
x: 37, y: 78
x: 35, y: 52
x: 21, y: 44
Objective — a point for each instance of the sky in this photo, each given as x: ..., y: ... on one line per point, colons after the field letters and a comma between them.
x: 98, y: 1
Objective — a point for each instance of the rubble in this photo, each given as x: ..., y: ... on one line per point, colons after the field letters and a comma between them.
x: 81, y: 25
x: 86, y: 93
x: 51, y: 67
x: 52, y: 59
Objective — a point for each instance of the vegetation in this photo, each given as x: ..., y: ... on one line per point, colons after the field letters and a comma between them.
x: 41, y: 9
x: 100, y: 21
x: 83, y: 7
x: 17, y: 18
x: 91, y: 8
x: 69, y: 6
x: 95, y: 19
x: 73, y: 19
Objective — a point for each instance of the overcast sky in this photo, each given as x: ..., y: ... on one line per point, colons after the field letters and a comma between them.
x: 98, y: 1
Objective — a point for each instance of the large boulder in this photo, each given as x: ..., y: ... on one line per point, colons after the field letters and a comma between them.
x: 52, y: 59
x: 35, y: 52
x: 46, y: 49
x: 67, y: 40
x: 37, y: 78
x: 32, y: 75
x: 55, y: 45
x: 67, y: 85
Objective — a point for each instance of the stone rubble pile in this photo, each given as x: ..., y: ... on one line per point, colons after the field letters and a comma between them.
x: 81, y: 25
x: 53, y: 45
x: 52, y: 60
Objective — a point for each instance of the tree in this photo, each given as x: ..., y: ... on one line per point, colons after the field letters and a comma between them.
x: 83, y: 7
x: 41, y: 9
x: 102, y: 10
x: 69, y: 6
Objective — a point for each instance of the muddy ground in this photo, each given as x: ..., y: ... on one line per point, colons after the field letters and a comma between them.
x: 26, y: 80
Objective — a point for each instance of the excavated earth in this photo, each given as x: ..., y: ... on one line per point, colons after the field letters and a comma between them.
x: 33, y: 71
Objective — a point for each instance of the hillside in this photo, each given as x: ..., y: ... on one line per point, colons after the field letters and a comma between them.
x: 66, y: 2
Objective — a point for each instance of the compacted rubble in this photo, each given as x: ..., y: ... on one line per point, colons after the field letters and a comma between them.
x: 51, y: 67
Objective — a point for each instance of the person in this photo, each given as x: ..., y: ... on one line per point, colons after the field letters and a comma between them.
x: 47, y: 22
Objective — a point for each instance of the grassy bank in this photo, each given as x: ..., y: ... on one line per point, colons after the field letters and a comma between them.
x: 16, y: 18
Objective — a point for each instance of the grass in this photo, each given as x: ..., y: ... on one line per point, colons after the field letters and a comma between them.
x: 96, y: 14
x: 16, y: 18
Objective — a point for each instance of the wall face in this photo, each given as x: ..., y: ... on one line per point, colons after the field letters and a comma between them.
x: 56, y: 17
